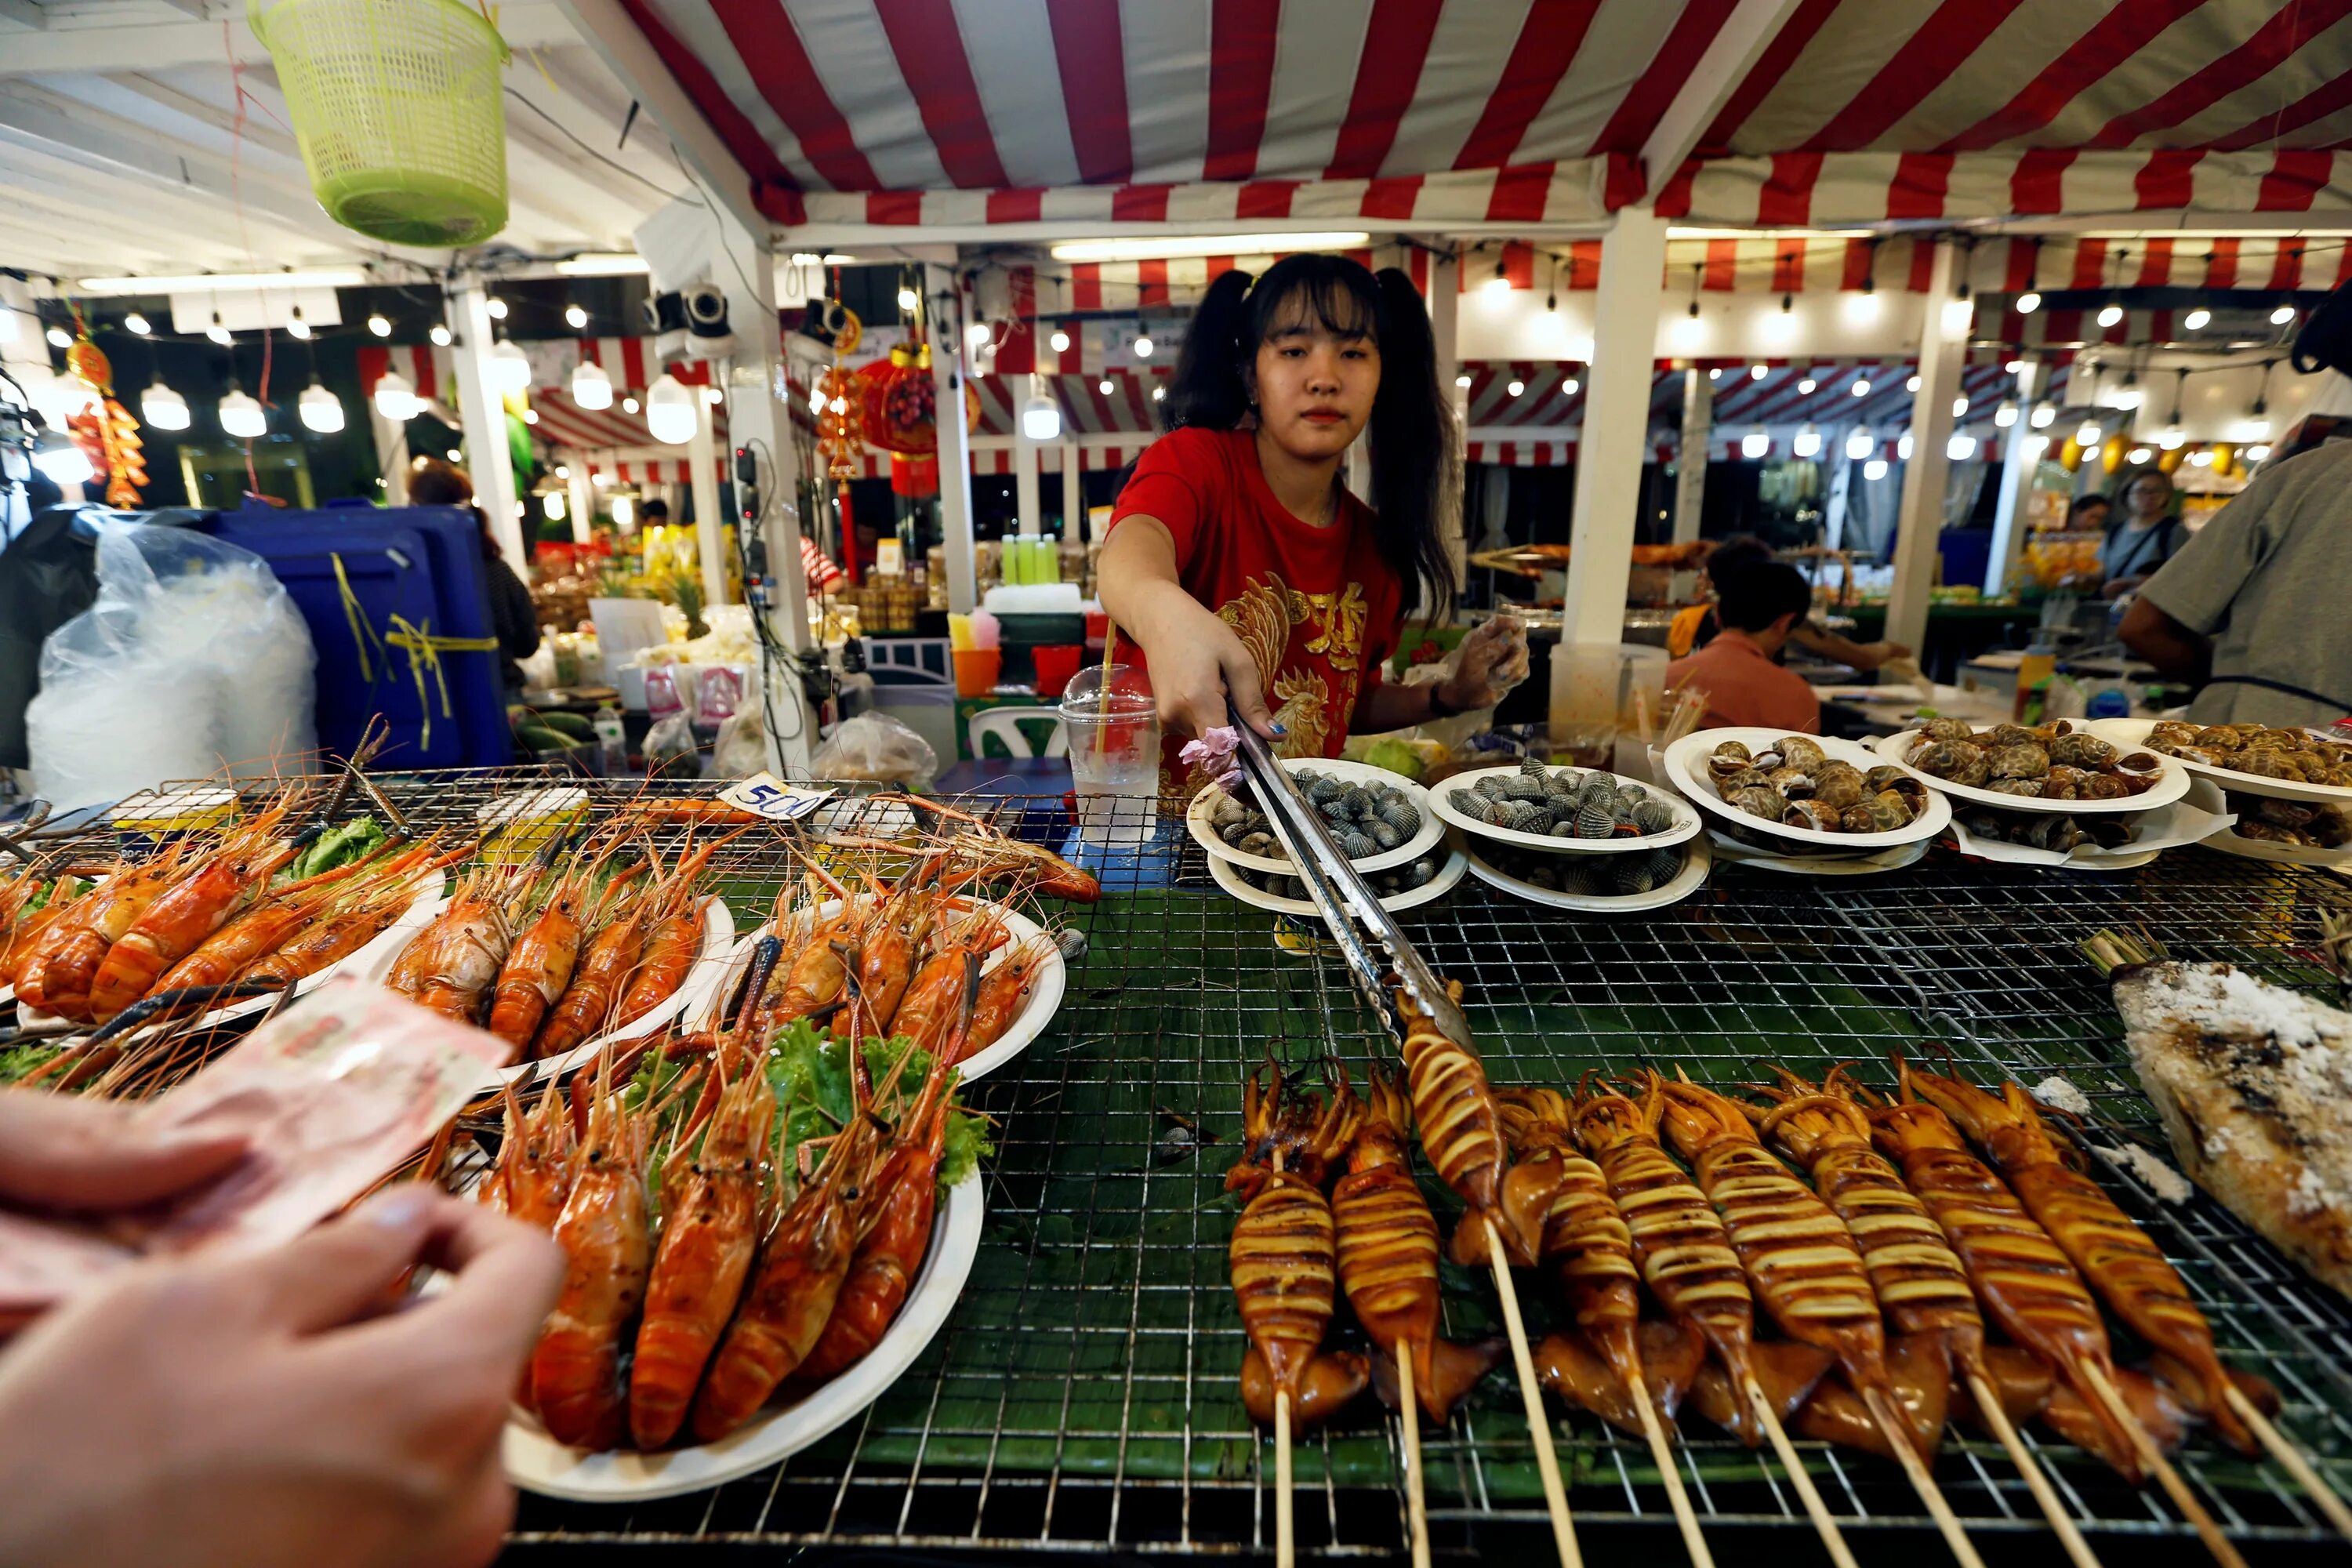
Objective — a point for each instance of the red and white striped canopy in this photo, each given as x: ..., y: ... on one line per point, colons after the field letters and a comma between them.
x: 1742, y: 400
x: 1388, y: 113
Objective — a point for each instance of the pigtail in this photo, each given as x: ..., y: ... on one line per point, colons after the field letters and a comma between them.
x: 1211, y: 387
x: 1415, y: 448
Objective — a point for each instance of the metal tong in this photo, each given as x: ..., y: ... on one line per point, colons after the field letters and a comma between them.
x: 1341, y: 895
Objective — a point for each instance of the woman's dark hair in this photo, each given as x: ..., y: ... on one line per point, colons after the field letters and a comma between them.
x: 436, y: 483
x: 2084, y: 503
x: 1415, y: 444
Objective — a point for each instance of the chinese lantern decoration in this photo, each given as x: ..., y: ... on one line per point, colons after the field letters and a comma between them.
x: 104, y: 429
x: 840, y: 423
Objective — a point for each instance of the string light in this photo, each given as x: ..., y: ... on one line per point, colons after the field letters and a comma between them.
x: 164, y: 408
x: 2044, y: 416
x: 2029, y: 302
x: 496, y: 307
x: 1859, y: 445
x: 1755, y: 444
x: 1060, y: 341
x: 136, y: 325
x: 217, y: 333
x: 1808, y: 441
x: 59, y: 337
x: 319, y: 410
x: 1516, y: 387
x: 2194, y: 321
x: 2004, y: 416
x: 1960, y: 447
x: 297, y: 328
x: 1875, y: 470
x: 441, y: 336
x: 1860, y: 387
x: 2283, y: 314
x: 575, y: 317
x: 380, y: 324
x: 240, y: 416
x: 1903, y: 445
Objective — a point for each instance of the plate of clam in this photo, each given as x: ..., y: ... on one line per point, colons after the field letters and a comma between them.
x: 1774, y: 790
x: 1379, y: 819
x: 1622, y: 884
x: 1564, y: 810
x: 2054, y: 767
x: 2271, y: 828
x: 2287, y: 764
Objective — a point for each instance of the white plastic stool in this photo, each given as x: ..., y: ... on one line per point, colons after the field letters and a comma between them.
x: 1005, y: 724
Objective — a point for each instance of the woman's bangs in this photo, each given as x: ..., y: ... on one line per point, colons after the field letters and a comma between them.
x: 1321, y: 301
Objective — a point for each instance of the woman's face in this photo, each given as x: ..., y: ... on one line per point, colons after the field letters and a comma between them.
x: 1315, y: 387
x: 2148, y: 497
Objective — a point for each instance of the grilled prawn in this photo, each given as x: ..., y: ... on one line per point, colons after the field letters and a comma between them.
x: 605, y: 1232
x: 2122, y: 1264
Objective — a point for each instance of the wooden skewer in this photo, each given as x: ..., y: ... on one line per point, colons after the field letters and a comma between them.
x: 1285, y: 1530
x: 1664, y: 1457
x: 2052, y: 1508
x: 1897, y: 1433
x: 2174, y: 1487
x: 1416, y: 1506
x: 1839, y: 1553
x: 2291, y: 1459
x: 1539, y: 1423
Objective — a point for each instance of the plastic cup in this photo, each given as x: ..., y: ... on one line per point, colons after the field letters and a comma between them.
x: 976, y: 669
x: 1113, y: 723
x: 1056, y: 665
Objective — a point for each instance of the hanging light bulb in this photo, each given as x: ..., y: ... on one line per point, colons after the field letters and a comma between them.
x: 1959, y: 314
x: 1960, y: 406
x: 2045, y: 414
x: 631, y: 405
x: 2283, y: 314
x: 1808, y: 441
x: 1499, y: 284
x: 162, y: 408
x: 396, y: 399
x: 2028, y: 302
x: 1041, y: 417
x: 2201, y: 459
x: 2036, y: 446
x: 1570, y: 386
x: 2129, y: 395
x: 2088, y: 434
x: 625, y: 512
x: 240, y: 416
x: 1875, y: 470
x: 1160, y: 393
x: 2005, y: 415
x: 136, y: 325
x: 1862, y: 304
x: 2013, y: 366
x: 2172, y: 437
x: 1515, y: 386
x: 2194, y: 321
x: 2257, y: 453
x: 1104, y: 387
x: 714, y: 394
x: 441, y: 336
x: 1860, y: 387
x: 575, y: 317
x: 669, y: 410
x: 553, y: 502
x: 1462, y: 380
x: 531, y: 415
x: 64, y: 462
x: 319, y: 410
x: 2110, y: 313
x: 1911, y: 383
x: 1755, y: 444
x: 563, y: 470
x: 1961, y: 447
x: 495, y: 308
x: 592, y: 387
x: 296, y: 327
x: 1142, y: 345
x: 909, y: 300
x: 1756, y: 373
x: 1859, y: 445
x: 1059, y: 342
x: 380, y: 324
x: 1903, y: 445
x: 217, y: 333
x: 2138, y: 455
x: 816, y: 401
x: 1805, y: 388
x: 509, y: 366
x: 59, y: 337
x: 977, y: 335
x: 1715, y: 374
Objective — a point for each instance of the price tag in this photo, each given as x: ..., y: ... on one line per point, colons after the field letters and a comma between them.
x: 764, y: 795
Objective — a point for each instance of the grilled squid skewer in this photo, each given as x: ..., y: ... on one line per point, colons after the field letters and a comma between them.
x: 1804, y: 1264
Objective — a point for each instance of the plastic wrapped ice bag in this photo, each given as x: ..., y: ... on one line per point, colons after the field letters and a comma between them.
x: 874, y: 748
x: 194, y: 658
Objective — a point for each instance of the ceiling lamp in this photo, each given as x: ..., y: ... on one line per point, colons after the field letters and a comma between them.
x: 2036, y: 446
x: 1143, y: 345
x: 531, y: 415
x: 1755, y: 444
x: 164, y: 408
x: 575, y: 317
x: 1160, y: 393
x: 714, y: 394
x: 977, y: 335
x: 1858, y: 446
x: 2283, y: 314
x: 2201, y: 459
x: 2257, y: 453
x: 1756, y: 373
x: 630, y: 405
x: 319, y: 410
x: 1059, y: 342
x: 59, y: 337
x: 1570, y: 386
x: 2137, y: 455
x: 296, y: 327
x: 2029, y: 302
x: 1862, y: 304
x: 1461, y: 380
x: 2088, y: 434
x: 2110, y: 313
x: 1516, y: 387
x: 907, y: 298
x: 1960, y: 406
x: 509, y: 366
x: 2045, y: 414
x: 136, y: 325
x: 553, y: 504
x: 217, y: 333
x: 1808, y: 442
x: 1903, y: 445
x: 669, y: 410
x: 63, y: 461
x: 441, y: 336
x: 2194, y: 321
x: 1806, y: 386
x: 1041, y: 417
x: 1499, y: 284
x: 592, y: 388
x: 1875, y: 470
x: 1911, y: 383
x: 240, y: 416
x: 1104, y: 387
x: 495, y: 308
x: 1715, y: 374
x: 380, y: 324
x: 1961, y: 447
x: 1860, y: 387
x: 2005, y: 415
x: 396, y: 400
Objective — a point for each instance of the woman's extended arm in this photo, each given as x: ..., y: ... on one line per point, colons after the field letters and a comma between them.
x: 1195, y: 658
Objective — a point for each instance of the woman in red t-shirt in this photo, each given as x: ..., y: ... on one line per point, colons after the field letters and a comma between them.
x: 1237, y: 560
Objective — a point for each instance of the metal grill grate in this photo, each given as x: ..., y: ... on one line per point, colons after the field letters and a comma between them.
x: 1082, y: 1394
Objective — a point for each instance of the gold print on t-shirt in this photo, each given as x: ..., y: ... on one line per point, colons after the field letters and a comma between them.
x: 1264, y: 615
x: 1339, y: 621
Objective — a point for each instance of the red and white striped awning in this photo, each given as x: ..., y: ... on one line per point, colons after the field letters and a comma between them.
x: 1397, y: 114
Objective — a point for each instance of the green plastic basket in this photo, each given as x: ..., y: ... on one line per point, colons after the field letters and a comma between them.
x: 398, y: 108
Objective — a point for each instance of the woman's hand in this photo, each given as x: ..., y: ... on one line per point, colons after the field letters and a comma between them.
x: 1197, y: 662
x: 260, y: 1409
x: 95, y: 1156
x: 1491, y: 660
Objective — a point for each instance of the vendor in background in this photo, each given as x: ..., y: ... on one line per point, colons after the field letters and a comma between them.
x: 2148, y: 535
x: 1694, y: 626
x: 514, y: 620
x: 2252, y: 606
x: 1761, y: 603
x: 1237, y: 565
x: 2088, y: 514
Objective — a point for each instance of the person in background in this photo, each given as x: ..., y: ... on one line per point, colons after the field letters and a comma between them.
x: 2148, y: 535
x: 514, y: 619
x: 2252, y: 606
x: 259, y: 1409
x: 1761, y: 603
x: 1695, y: 626
x: 824, y: 575
x: 2088, y: 514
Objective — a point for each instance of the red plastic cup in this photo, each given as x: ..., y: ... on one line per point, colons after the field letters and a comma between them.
x: 1056, y: 665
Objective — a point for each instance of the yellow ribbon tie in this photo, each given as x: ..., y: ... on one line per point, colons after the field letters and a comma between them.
x: 423, y: 649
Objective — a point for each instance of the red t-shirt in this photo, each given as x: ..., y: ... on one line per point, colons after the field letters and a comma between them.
x: 1317, y: 607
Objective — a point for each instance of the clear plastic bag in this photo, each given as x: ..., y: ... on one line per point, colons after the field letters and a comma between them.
x: 874, y: 748
x: 193, y: 658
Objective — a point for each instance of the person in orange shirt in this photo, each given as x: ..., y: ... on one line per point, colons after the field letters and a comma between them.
x: 1760, y: 604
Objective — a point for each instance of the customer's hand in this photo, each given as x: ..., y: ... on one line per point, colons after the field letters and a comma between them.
x: 1491, y: 660
x: 57, y: 1152
x: 264, y: 1409
x: 1193, y: 671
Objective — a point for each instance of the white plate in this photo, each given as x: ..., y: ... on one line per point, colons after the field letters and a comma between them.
x: 1686, y: 771
x: 1229, y: 878
x: 536, y: 1462
x: 1697, y: 859
x: 2134, y: 732
x: 1687, y: 821
x: 710, y: 968
x: 2171, y: 783
x: 2207, y: 795
x: 1893, y: 860
x: 1044, y: 991
x: 1196, y: 818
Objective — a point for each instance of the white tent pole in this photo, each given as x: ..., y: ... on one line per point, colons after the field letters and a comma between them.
x: 392, y: 453
x: 1028, y: 497
x: 1690, y: 472
x: 1616, y: 428
x: 1943, y: 345
x: 1073, y: 496
x: 583, y: 497
x: 944, y: 299
x: 702, y: 480
x: 2016, y: 484
x: 1841, y: 489
x: 481, y: 409
x: 1446, y: 325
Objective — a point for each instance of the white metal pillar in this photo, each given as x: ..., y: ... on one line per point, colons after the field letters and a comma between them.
x: 2017, y: 466
x: 1841, y: 489
x: 702, y: 480
x: 944, y: 299
x: 1690, y: 471
x: 392, y: 454
x: 1074, y: 525
x: 1943, y: 345
x: 1028, y: 497
x: 1616, y: 428
x: 482, y: 410
x: 583, y: 497
x: 1446, y: 325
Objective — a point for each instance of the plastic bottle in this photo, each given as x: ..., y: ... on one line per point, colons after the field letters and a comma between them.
x: 612, y: 743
